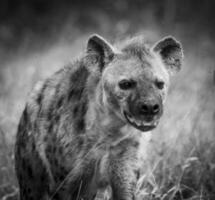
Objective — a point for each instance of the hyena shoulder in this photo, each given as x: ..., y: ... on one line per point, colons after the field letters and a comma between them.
x: 65, y: 90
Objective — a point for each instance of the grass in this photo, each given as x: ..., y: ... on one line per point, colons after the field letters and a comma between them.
x: 180, y: 159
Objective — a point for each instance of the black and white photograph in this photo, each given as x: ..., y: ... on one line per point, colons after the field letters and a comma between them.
x: 107, y: 100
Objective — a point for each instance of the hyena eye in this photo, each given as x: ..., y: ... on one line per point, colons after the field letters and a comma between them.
x: 159, y: 84
x: 127, y: 84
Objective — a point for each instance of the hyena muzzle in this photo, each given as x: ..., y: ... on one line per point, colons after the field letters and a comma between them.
x: 81, y: 130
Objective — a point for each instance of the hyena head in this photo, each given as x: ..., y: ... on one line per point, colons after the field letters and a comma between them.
x: 135, y: 78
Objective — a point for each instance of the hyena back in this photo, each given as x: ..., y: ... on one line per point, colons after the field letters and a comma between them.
x: 81, y: 129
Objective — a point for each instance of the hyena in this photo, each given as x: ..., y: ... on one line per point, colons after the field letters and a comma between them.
x: 81, y: 130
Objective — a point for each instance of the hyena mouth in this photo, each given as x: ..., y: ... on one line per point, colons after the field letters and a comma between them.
x: 141, y: 125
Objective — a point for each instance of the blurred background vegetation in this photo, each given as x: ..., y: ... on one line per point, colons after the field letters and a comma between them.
x: 37, y: 37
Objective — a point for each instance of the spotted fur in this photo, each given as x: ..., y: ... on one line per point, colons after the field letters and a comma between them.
x: 73, y: 139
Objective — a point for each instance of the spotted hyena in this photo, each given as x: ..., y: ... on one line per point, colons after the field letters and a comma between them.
x: 80, y: 132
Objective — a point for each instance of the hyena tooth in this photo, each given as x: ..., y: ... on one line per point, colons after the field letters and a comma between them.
x: 139, y: 123
x: 131, y: 119
x: 146, y: 124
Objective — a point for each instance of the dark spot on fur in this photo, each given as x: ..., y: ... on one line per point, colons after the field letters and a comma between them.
x: 25, y: 115
x: 83, y: 108
x: 79, y: 118
x: 50, y: 128
x: 77, y: 82
x: 23, y: 126
x: 60, y: 150
x: 71, y: 94
x: 48, y: 150
x: 39, y: 98
x: 80, y: 74
x: 80, y: 125
x: 75, y: 94
x: 30, y: 172
x: 54, y: 140
x: 41, y: 95
x: 136, y: 144
x: 57, y: 118
x: 137, y: 173
x: 49, y: 114
x: 80, y: 142
x: 75, y: 110
x: 52, y: 150
x: 33, y: 147
x: 60, y: 102
x: 46, y: 137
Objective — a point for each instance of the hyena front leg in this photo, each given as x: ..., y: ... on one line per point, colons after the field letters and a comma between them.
x: 123, y: 183
x: 123, y: 171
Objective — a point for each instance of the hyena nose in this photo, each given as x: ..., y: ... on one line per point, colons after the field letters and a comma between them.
x: 149, y: 108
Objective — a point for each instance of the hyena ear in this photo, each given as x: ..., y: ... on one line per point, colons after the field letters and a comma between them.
x: 171, y: 53
x: 102, y: 51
